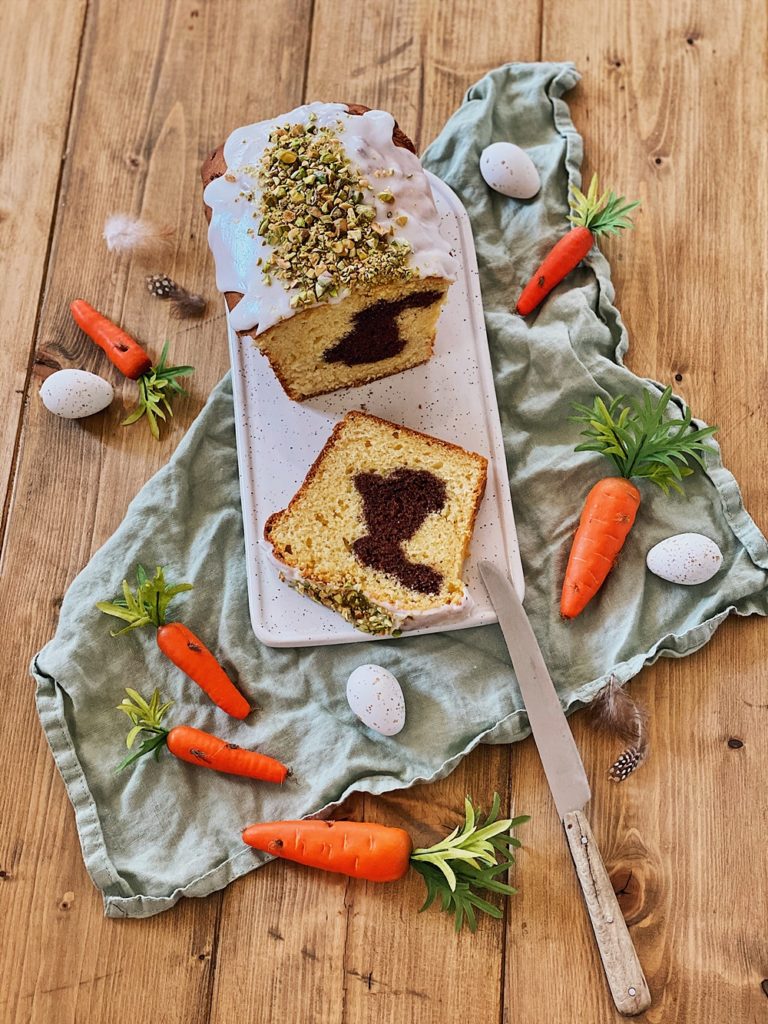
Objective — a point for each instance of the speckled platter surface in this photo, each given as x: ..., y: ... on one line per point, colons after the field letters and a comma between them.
x: 452, y: 397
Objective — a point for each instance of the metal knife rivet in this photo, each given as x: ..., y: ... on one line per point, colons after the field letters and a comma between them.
x: 584, y: 840
x: 633, y: 991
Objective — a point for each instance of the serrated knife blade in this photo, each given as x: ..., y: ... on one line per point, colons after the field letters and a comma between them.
x: 559, y: 755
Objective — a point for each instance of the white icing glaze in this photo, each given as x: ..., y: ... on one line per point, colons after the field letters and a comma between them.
x: 367, y: 141
x: 403, y: 619
x: 420, y: 618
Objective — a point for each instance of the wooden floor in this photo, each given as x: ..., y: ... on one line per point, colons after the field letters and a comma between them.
x: 110, y: 105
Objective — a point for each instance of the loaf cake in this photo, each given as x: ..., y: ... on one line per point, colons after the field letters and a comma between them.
x: 327, y: 245
x: 380, y: 528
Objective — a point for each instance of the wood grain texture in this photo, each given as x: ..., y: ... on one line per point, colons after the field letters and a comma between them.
x: 623, y: 972
x: 673, y: 109
x: 37, y: 81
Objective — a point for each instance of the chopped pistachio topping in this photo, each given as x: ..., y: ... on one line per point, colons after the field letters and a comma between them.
x: 313, y: 212
x: 351, y: 604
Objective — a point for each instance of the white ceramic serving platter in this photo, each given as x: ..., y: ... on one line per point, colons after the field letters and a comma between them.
x: 452, y: 397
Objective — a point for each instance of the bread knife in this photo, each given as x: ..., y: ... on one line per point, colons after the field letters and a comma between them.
x: 568, y: 783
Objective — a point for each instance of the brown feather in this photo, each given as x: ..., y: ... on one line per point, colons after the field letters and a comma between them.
x: 187, y: 304
x: 615, y: 711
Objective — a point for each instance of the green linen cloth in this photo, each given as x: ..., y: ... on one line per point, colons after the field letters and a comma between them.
x: 165, y: 830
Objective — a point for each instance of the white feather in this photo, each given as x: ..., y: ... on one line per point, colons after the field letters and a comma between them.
x: 128, y: 235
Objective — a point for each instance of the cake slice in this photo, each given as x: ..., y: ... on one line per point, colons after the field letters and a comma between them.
x: 381, y: 526
x: 327, y: 245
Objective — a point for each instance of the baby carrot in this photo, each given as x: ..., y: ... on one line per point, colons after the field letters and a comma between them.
x: 192, y: 745
x: 201, y: 748
x: 359, y: 849
x: 608, y: 515
x: 189, y: 653
x: 462, y: 869
x: 148, y: 606
x: 643, y: 444
x: 592, y: 215
x: 122, y: 350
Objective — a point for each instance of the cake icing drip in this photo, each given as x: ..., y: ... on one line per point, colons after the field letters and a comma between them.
x: 397, y: 191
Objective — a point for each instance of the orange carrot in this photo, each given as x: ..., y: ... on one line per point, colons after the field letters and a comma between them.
x: 561, y: 259
x: 460, y: 869
x: 123, y: 350
x: 592, y: 215
x: 359, y: 849
x: 606, y: 520
x: 189, y: 653
x: 148, y: 606
x: 190, y: 744
x: 198, y: 747
x: 641, y: 443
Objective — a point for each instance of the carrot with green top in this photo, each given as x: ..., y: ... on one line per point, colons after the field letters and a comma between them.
x: 642, y: 444
x: 149, y: 607
x: 457, y: 869
x: 189, y: 744
x: 592, y: 215
x: 157, y: 384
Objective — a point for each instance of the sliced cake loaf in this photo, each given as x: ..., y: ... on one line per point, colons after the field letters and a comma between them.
x: 380, y: 528
x: 327, y: 245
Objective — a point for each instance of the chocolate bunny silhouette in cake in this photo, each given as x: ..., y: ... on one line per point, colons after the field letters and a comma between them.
x: 394, y: 507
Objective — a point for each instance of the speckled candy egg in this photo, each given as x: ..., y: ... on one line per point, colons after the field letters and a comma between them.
x: 73, y: 394
x: 376, y: 698
x: 509, y: 170
x: 687, y: 558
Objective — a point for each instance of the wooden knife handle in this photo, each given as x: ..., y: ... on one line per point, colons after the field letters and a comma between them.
x: 622, y: 968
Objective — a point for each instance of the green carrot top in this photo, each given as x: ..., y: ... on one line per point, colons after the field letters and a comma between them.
x: 156, y: 390
x: 464, y: 864
x: 634, y: 434
x: 148, y: 605
x: 604, y: 214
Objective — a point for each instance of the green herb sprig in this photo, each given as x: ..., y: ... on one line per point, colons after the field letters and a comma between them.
x: 157, y: 388
x: 146, y: 718
x: 465, y: 864
x: 641, y: 441
x: 148, y: 604
x: 605, y: 214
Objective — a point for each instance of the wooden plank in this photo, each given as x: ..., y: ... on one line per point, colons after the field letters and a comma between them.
x: 671, y: 111
x: 36, y: 88
x: 346, y: 951
x: 147, y: 112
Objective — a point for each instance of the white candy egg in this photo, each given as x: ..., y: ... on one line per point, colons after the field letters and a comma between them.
x: 73, y: 394
x: 509, y: 170
x: 687, y: 558
x: 376, y: 698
